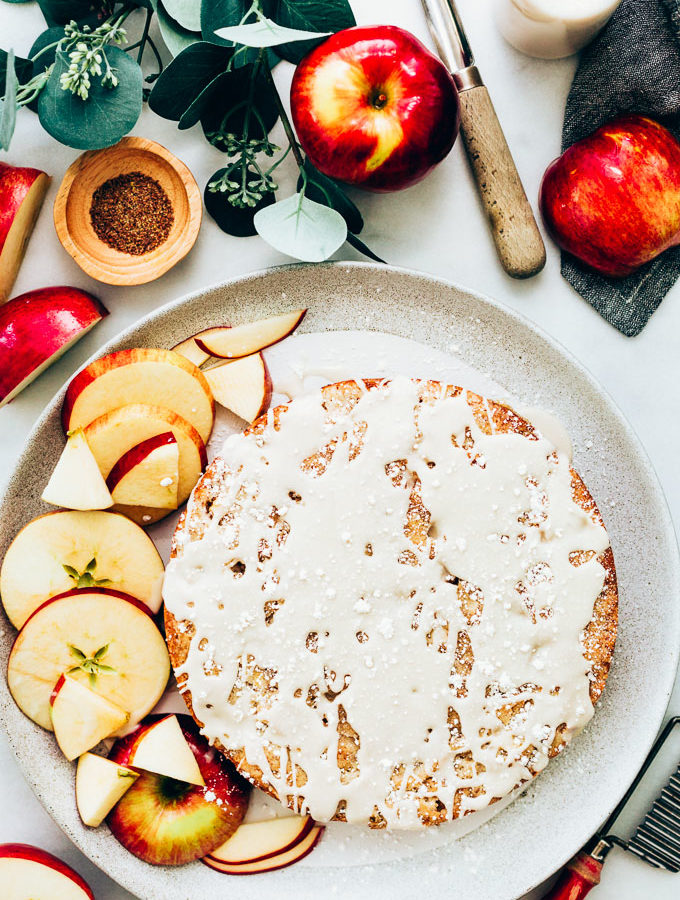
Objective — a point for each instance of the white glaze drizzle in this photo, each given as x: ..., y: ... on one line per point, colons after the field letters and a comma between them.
x: 395, y: 689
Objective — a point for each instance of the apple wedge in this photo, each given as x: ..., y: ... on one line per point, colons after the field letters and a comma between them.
x: 36, y: 328
x: 190, y: 350
x: 244, y: 340
x: 100, y: 783
x: 255, y: 841
x: 162, y: 748
x: 269, y: 864
x: 81, y: 718
x: 28, y: 872
x: 244, y: 386
x: 153, y: 376
x: 147, y: 475
x: 113, y: 434
x: 76, y: 482
x: 67, y: 549
x: 22, y: 191
x: 104, y: 638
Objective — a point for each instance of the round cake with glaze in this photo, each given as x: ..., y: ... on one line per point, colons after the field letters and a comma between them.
x: 391, y: 602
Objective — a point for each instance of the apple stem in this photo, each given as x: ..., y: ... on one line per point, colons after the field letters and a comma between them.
x: 285, y: 121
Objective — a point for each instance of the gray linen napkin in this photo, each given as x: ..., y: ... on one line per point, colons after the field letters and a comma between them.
x: 633, y: 66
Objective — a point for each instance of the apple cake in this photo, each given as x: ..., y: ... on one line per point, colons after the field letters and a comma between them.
x: 391, y: 602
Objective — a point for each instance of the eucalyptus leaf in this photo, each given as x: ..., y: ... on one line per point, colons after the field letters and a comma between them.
x: 187, y: 75
x: 8, y: 104
x: 265, y: 33
x: 174, y: 36
x: 232, y: 219
x: 186, y: 12
x: 227, y: 110
x: 216, y: 14
x: 311, y: 15
x: 23, y: 69
x: 302, y: 228
x: 60, y: 12
x: 325, y: 190
x: 359, y: 245
x: 16, y: 1
x: 101, y: 120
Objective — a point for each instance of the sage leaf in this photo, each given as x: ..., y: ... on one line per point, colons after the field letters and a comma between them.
x: 186, y: 12
x: 232, y: 219
x: 264, y: 33
x: 8, y: 104
x: 175, y: 38
x: 105, y: 117
x: 187, y: 75
x: 302, y: 228
x: 324, y: 190
x: 311, y: 15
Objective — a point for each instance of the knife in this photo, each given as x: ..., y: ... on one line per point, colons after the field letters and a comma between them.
x: 518, y: 241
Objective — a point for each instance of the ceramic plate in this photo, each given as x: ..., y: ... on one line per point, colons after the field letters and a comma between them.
x: 534, y: 836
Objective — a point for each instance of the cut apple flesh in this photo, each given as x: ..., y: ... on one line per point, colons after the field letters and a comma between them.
x: 76, y: 481
x: 147, y: 475
x: 100, y: 783
x: 279, y: 861
x: 243, y: 386
x: 243, y: 340
x: 28, y: 873
x: 254, y: 841
x: 190, y: 350
x: 157, y: 377
x: 82, y: 718
x: 162, y: 748
x: 14, y: 247
x: 103, y: 627
x: 39, y: 559
x: 113, y: 434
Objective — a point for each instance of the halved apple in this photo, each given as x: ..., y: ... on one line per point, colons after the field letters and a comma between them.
x: 28, y: 872
x: 148, y: 474
x: 113, y: 434
x: 190, y: 350
x: 153, y: 376
x: 76, y: 481
x: 100, y: 783
x: 243, y: 340
x: 254, y: 841
x: 244, y: 386
x: 81, y: 718
x: 102, y: 637
x: 67, y: 549
x: 269, y: 864
x: 22, y: 191
x: 162, y: 748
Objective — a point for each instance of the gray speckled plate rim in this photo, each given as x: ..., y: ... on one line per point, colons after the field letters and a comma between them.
x: 462, y: 866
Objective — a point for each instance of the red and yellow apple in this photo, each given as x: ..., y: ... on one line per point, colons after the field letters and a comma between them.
x: 36, y: 328
x: 100, y: 783
x: 27, y: 871
x: 148, y: 474
x: 225, y: 342
x: 22, y: 191
x: 373, y: 107
x: 613, y: 199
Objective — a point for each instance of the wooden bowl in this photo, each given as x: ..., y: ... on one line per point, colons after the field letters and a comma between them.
x: 74, y: 199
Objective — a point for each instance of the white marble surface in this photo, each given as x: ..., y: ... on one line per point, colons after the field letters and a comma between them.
x: 436, y: 227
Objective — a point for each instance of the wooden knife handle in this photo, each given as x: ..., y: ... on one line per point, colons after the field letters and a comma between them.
x: 518, y: 240
x: 578, y: 878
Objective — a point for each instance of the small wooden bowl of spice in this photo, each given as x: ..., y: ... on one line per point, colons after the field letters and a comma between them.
x: 128, y: 213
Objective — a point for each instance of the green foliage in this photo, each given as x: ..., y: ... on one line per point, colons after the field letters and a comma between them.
x: 311, y: 15
x: 175, y: 37
x: 301, y: 228
x: 186, y: 77
x: 324, y: 190
x: 23, y: 69
x: 235, y: 220
x: 238, y: 95
x: 263, y: 33
x: 186, y: 12
x: 60, y: 12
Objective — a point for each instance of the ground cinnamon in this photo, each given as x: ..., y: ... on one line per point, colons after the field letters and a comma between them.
x: 131, y: 213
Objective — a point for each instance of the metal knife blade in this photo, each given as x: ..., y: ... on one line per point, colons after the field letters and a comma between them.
x: 450, y: 39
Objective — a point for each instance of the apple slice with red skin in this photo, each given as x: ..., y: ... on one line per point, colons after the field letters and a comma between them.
x: 22, y: 191
x: 76, y: 481
x: 36, y: 328
x: 89, y: 631
x: 226, y: 342
x: 143, y: 375
x: 256, y: 841
x: 98, y: 548
x: 270, y: 863
x: 27, y: 871
x: 147, y: 475
x: 100, y: 783
x: 161, y: 747
x: 190, y: 350
x: 81, y: 718
x: 168, y: 822
x: 243, y: 386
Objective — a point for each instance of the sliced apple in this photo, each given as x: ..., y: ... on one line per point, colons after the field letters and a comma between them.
x: 76, y: 482
x: 269, y: 864
x: 244, y: 386
x: 153, y: 376
x: 243, y: 340
x: 255, y: 841
x: 36, y: 328
x: 104, y: 638
x: 190, y: 350
x: 22, y: 191
x: 81, y: 718
x: 100, y: 783
x: 67, y: 549
x: 113, y: 434
x: 148, y: 474
x: 28, y: 872
x: 162, y: 748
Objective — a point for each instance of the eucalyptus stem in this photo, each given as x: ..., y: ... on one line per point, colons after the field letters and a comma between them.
x: 285, y: 121
x: 144, y: 37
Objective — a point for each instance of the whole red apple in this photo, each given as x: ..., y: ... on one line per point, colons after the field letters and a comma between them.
x: 22, y: 191
x: 373, y: 107
x: 613, y: 198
